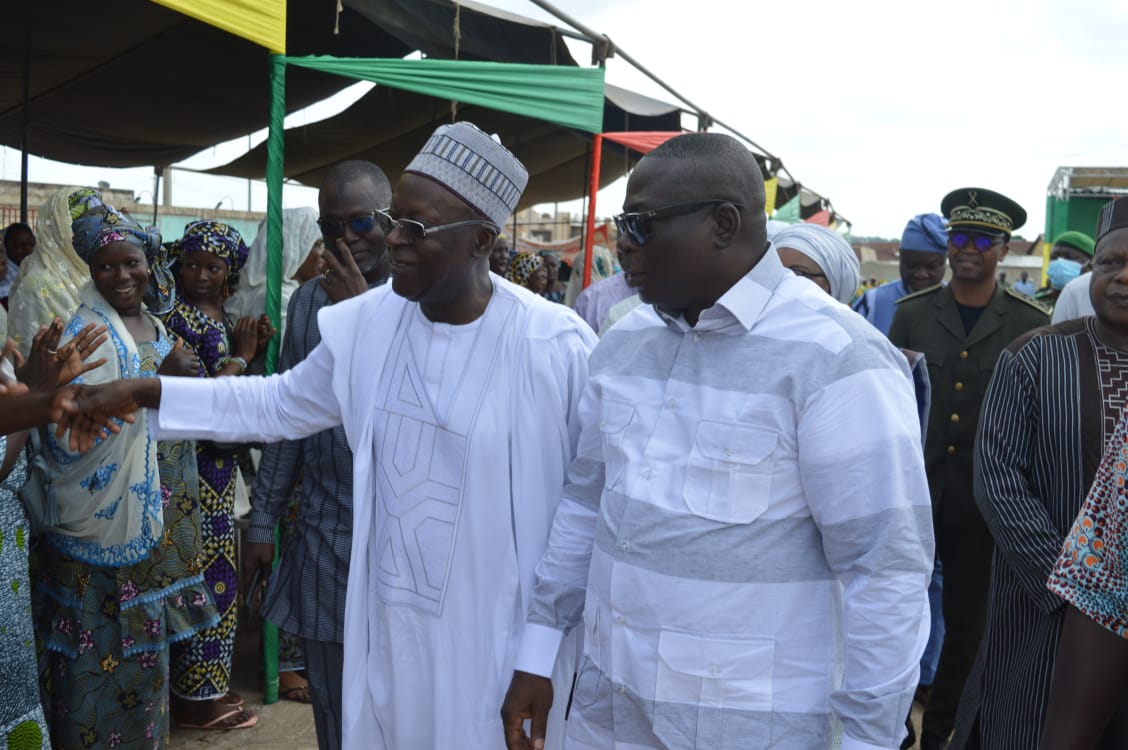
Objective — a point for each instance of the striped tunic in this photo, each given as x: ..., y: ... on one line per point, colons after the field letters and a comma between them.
x: 306, y: 595
x: 1054, y: 397
x: 758, y: 566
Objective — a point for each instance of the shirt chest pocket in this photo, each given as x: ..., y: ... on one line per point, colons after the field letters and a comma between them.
x: 728, y: 475
x: 615, y: 420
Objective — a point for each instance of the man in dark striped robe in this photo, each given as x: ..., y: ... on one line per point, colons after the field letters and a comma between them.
x: 1054, y: 400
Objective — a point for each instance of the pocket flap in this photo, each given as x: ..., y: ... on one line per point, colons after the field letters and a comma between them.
x: 717, y: 659
x: 735, y: 443
x: 615, y: 415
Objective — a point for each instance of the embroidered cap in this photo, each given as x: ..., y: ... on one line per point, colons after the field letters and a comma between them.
x: 475, y: 167
x: 983, y: 211
x: 1113, y: 215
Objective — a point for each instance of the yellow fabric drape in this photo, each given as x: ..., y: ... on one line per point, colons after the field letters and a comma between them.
x: 770, y: 186
x: 260, y: 21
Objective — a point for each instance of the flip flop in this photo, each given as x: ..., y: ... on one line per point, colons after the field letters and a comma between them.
x: 248, y: 720
x: 297, y: 694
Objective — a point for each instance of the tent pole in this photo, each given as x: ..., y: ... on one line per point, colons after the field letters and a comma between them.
x: 26, y: 135
x: 589, y: 240
x: 275, y: 155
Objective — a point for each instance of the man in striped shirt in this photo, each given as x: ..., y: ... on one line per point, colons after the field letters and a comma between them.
x: 751, y: 571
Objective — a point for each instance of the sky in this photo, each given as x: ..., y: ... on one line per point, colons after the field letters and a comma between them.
x: 881, y: 106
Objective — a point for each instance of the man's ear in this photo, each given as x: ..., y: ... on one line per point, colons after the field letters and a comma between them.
x: 726, y: 224
x: 484, y: 242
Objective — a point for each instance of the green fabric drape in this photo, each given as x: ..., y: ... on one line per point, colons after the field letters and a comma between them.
x: 567, y: 96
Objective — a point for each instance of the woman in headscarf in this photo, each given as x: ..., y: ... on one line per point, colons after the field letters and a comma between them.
x: 821, y: 255
x: 527, y: 270
x: 122, y: 578
x: 49, y: 280
x: 604, y: 266
x: 206, y: 262
x: 554, y: 287
x: 302, y: 247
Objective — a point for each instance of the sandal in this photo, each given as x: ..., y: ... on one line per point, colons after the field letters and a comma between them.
x: 236, y: 718
x: 232, y: 699
x: 297, y: 692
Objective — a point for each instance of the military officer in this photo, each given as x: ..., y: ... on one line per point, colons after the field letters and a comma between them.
x: 961, y: 328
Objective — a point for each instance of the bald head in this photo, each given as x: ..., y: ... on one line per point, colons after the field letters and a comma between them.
x: 353, y: 171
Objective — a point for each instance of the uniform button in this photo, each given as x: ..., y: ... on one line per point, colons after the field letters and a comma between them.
x: 955, y: 418
x: 963, y: 354
x: 959, y: 386
x: 951, y: 449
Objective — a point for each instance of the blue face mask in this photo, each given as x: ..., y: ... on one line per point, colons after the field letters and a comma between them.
x: 1062, y: 271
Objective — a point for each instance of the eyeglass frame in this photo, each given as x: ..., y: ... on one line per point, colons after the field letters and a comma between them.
x: 338, y: 225
x: 623, y: 222
x: 991, y: 241
x: 419, y: 232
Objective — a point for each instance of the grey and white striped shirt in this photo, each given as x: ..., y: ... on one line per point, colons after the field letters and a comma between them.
x: 751, y: 495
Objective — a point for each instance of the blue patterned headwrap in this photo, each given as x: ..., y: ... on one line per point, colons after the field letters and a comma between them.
x: 102, y: 224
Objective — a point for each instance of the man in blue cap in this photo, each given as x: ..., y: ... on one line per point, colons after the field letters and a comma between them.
x: 923, y: 252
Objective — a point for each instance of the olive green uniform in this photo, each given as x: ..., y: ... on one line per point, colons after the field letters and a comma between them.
x: 960, y: 366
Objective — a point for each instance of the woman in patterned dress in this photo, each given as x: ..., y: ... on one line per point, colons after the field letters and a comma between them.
x: 122, y: 576
x: 206, y: 263
x: 22, y: 722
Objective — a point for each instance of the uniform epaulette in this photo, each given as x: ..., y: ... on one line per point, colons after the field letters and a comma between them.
x: 921, y: 293
x: 1028, y: 300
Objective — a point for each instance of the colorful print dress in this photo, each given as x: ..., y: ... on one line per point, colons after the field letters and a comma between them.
x: 22, y: 724
x: 107, y: 630
x: 201, y: 666
x: 1092, y: 571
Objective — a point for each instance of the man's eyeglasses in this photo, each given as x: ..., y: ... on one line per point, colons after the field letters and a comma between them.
x: 982, y: 243
x: 417, y: 232
x: 634, y: 224
x: 359, y: 225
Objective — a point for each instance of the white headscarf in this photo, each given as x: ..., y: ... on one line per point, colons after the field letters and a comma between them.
x: 830, y: 251
x: 299, y: 232
x: 51, y: 277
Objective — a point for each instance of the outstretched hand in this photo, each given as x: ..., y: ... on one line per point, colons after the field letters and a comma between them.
x: 93, y: 412
x: 49, y: 365
x: 342, y: 278
x: 529, y: 698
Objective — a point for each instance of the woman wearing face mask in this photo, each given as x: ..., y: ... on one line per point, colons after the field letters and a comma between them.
x: 1070, y: 256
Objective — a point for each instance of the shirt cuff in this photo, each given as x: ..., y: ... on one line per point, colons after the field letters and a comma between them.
x: 852, y: 743
x: 539, y: 647
x: 261, y: 529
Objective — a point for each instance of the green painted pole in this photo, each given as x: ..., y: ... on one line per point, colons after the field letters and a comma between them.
x: 275, y: 150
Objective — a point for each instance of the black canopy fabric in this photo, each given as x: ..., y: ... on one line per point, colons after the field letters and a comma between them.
x: 134, y: 83
x: 387, y: 126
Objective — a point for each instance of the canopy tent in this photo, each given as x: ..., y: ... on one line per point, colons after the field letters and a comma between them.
x: 557, y: 157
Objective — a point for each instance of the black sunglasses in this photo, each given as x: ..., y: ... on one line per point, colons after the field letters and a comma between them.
x: 982, y: 243
x: 634, y: 224
x: 416, y: 231
x: 359, y: 225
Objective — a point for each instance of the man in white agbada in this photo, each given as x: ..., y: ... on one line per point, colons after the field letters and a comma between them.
x: 458, y: 392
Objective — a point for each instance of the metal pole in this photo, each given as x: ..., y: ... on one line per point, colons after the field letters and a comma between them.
x: 25, y: 140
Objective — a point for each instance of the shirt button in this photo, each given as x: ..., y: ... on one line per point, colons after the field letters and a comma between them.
x: 959, y: 386
x: 647, y: 473
x: 671, y: 403
x: 697, y: 337
x: 955, y: 418
x: 714, y: 669
x: 951, y: 449
x: 963, y: 354
x: 621, y: 689
x: 621, y: 620
x: 625, y: 546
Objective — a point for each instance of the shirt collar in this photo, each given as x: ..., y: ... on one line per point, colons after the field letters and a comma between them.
x: 743, y: 303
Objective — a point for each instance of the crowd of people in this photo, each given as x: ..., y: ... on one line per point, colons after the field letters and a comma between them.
x: 725, y: 496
